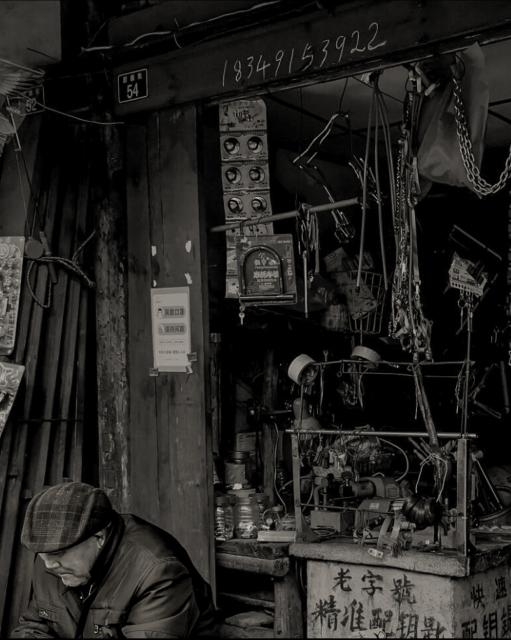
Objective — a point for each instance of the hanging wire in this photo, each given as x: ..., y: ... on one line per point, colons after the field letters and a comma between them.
x: 407, y: 461
x: 152, y: 34
x: 71, y: 116
x: 275, y: 467
x: 48, y: 260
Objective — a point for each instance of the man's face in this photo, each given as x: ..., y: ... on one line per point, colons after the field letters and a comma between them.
x: 73, y: 565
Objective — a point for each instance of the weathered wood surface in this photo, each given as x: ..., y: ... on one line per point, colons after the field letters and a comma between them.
x: 37, y: 445
x: 302, y: 49
x: 440, y: 564
x: 250, y: 600
x: 288, y: 608
x: 111, y: 318
x: 277, y: 567
x: 266, y: 550
x: 401, y: 602
x: 170, y: 456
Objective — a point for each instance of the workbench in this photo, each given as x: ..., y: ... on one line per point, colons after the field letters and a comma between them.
x: 418, y: 594
x: 260, y: 575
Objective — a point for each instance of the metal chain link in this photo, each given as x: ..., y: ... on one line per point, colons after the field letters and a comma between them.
x: 481, y: 186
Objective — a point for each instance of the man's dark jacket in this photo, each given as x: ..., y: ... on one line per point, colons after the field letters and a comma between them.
x: 143, y: 585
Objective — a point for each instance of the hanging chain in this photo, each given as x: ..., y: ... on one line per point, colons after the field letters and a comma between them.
x: 408, y: 322
x: 481, y: 186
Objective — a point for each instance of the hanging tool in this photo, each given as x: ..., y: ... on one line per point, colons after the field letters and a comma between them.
x: 408, y: 321
x: 308, y: 242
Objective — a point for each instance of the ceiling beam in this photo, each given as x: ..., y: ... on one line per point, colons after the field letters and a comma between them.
x: 358, y: 37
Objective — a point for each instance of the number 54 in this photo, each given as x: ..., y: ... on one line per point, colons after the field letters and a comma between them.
x: 132, y: 90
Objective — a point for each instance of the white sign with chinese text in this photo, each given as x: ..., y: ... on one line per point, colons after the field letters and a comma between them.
x: 363, y: 601
x: 170, y: 316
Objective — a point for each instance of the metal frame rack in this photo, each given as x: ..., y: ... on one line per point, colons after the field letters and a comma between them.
x: 463, y: 457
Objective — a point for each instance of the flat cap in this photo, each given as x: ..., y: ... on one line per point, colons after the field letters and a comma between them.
x: 64, y: 515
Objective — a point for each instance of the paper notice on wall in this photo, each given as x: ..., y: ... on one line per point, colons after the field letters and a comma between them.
x: 10, y: 379
x: 170, y: 316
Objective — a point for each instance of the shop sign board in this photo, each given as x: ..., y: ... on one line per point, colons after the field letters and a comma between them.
x: 367, y: 601
x: 170, y: 316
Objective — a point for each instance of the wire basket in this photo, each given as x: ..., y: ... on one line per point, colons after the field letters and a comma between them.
x: 365, y: 306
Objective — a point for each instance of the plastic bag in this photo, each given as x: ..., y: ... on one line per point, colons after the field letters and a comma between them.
x: 439, y: 158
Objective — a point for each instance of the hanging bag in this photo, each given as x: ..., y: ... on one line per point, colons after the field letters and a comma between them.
x: 439, y: 157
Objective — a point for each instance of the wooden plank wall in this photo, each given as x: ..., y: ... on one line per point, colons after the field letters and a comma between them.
x: 170, y: 460
x: 43, y: 440
x: 108, y: 195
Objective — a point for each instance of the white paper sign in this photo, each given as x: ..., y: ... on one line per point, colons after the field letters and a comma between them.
x: 170, y: 314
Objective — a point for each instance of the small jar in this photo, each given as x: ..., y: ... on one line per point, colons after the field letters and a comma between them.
x: 246, y: 517
x: 224, y: 519
x: 236, y: 469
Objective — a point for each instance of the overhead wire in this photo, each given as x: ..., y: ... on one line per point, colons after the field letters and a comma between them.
x: 45, y: 107
x: 175, y: 32
x: 69, y: 264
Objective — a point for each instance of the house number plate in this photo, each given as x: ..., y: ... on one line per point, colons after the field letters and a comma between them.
x: 132, y: 85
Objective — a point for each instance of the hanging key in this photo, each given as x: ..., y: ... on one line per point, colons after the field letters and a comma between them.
x: 241, y: 313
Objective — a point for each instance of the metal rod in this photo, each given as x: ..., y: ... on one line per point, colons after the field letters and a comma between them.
x: 387, y: 362
x: 461, y: 534
x: 321, y: 208
x: 448, y: 435
x: 295, y: 452
x: 466, y: 385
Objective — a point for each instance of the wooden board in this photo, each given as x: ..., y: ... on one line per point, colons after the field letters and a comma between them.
x: 253, y: 548
x: 434, y: 563
x: 288, y: 608
x: 181, y: 246
x: 143, y: 478
x: 360, y: 35
x: 352, y: 600
x: 170, y: 464
x: 111, y: 320
x: 277, y: 567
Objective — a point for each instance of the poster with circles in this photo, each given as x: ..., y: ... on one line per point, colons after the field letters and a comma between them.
x: 245, y: 177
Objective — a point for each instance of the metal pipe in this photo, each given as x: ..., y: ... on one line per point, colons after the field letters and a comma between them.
x: 447, y: 435
x: 387, y: 362
x: 321, y: 208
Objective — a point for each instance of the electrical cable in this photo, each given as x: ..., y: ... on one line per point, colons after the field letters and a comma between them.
x: 173, y: 33
x: 69, y: 264
x: 275, y: 467
x: 407, y: 461
x: 72, y: 117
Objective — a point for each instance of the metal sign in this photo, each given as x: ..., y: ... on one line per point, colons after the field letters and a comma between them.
x: 132, y: 86
x: 29, y: 102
